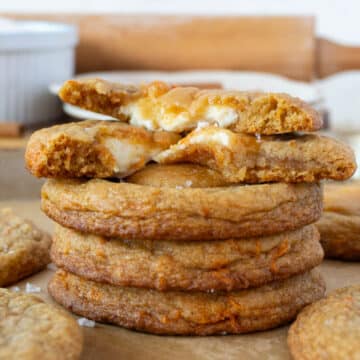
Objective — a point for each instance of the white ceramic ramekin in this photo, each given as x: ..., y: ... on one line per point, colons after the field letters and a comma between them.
x: 33, y: 55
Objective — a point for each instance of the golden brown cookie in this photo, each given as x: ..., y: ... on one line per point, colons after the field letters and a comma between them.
x: 93, y: 149
x: 146, y: 212
x: 178, y: 175
x: 158, y: 106
x: 340, y: 222
x: 187, y: 265
x: 184, y: 313
x: 24, y: 249
x: 328, y: 329
x: 245, y: 158
x: 30, y: 329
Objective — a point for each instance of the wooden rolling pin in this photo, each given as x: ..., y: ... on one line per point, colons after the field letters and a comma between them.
x: 10, y: 129
x: 332, y: 58
x: 285, y: 45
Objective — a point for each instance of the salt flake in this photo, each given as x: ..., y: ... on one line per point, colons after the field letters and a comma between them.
x: 30, y: 288
x: 258, y: 137
x: 86, y: 322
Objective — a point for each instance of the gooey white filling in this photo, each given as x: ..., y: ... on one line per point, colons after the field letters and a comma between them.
x: 202, y: 136
x: 221, y: 115
x: 176, y: 123
x: 220, y: 136
x: 134, y: 112
x: 126, y: 155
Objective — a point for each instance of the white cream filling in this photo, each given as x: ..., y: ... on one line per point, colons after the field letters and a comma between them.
x: 220, y: 137
x: 126, y: 155
x: 177, y: 123
x: 202, y: 125
x: 133, y: 111
x: 202, y: 136
x: 221, y: 115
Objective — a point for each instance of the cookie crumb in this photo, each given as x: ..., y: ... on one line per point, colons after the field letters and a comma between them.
x: 30, y: 288
x: 86, y: 322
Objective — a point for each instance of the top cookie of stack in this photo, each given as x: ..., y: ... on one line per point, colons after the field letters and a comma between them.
x: 246, y: 137
x: 158, y: 106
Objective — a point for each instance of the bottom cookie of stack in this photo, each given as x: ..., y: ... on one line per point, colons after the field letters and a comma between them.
x: 188, y: 313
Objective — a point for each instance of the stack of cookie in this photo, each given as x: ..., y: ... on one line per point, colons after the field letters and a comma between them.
x: 194, y: 214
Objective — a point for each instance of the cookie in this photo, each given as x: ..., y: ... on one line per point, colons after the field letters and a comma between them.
x: 146, y: 212
x: 340, y: 222
x: 30, y: 329
x: 242, y: 158
x: 184, y: 313
x: 175, y: 265
x: 93, y: 149
x: 24, y: 249
x: 158, y: 106
x: 328, y: 329
x: 178, y: 175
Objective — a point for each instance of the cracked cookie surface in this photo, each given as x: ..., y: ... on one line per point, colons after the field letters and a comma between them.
x: 328, y: 329
x: 24, y: 249
x: 31, y: 329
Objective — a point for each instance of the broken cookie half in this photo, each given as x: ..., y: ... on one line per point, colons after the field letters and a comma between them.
x: 242, y: 158
x: 92, y: 148
x: 159, y: 106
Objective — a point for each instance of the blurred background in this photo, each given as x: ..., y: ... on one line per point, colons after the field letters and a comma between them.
x: 335, y: 19
x: 310, y: 49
